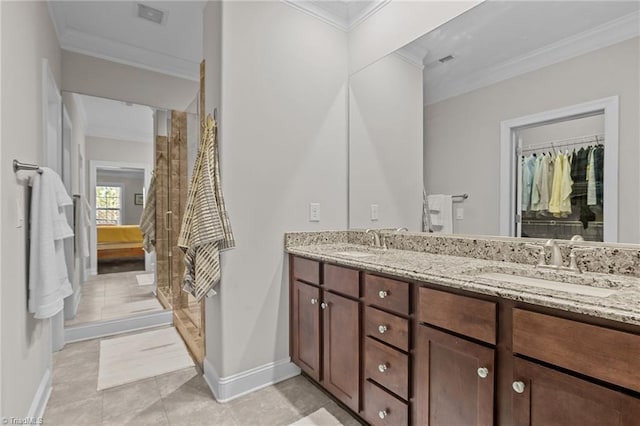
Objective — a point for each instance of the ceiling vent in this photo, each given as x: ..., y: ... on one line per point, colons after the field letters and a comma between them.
x: 150, y: 14
x: 446, y: 59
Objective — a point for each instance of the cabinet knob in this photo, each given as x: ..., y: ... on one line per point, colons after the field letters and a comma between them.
x: 323, y: 305
x: 382, y: 414
x: 314, y: 301
x: 382, y: 294
x: 383, y: 367
x: 382, y: 329
x: 518, y: 386
x: 483, y: 372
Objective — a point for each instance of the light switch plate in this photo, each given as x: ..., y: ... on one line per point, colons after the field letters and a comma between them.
x: 375, y: 212
x: 459, y: 213
x: 314, y: 212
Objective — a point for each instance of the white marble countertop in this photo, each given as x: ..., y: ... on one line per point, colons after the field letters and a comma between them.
x: 463, y: 273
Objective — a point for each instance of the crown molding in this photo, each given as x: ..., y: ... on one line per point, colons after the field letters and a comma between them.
x: 410, y: 58
x: 343, y: 23
x: 122, y: 53
x: 117, y: 134
x: 605, y: 35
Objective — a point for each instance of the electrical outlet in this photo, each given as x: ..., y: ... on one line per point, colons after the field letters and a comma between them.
x: 314, y: 212
x: 459, y: 213
x: 375, y: 212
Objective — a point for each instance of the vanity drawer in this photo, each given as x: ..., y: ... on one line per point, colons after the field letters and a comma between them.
x: 461, y: 314
x: 387, y: 327
x: 387, y: 293
x: 382, y: 408
x: 306, y: 270
x: 342, y: 280
x: 387, y: 367
x: 595, y: 351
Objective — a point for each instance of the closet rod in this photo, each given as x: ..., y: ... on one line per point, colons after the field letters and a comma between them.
x: 566, y: 142
x: 17, y: 166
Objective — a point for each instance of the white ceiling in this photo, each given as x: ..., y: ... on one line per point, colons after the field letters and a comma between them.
x: 343, y: 14
x: 112, y: 30
x: 118, y: 120
x: 498, y: 40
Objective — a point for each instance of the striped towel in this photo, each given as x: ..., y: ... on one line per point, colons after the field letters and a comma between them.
x: 148, y: 218
x: 205, y: 225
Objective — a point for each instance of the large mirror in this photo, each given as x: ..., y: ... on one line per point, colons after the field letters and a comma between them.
x: 476, y: 106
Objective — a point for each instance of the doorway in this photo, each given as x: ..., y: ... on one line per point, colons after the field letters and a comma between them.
x: 511, y: 150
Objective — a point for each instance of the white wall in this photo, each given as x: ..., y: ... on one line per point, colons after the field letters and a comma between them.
x: 102, y: 149
x: 396, y: 24
x: 131, y: 183
x: 462, y: 134
x: 98, y: 77
x: 27, y: 37
x: 385, y: 145
x: 563, y: 130
x: 283, y: 145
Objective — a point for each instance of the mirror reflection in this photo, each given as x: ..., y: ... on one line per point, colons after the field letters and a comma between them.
x: 501, y: 83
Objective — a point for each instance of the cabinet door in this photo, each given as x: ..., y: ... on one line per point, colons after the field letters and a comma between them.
x: 454, y: 380
x: 305, y: 328
x: 342, y: 348
x: 543, y: 396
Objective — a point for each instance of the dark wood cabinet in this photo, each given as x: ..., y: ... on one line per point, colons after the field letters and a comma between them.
x: 545, y: 397
x: 305, y: 328
x: 454, y: 380
x: 341, y: 358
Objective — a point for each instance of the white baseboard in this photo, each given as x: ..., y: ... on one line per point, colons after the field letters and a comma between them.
x: 41, y: 397
x: 97, y: 329
x: 227, y: 388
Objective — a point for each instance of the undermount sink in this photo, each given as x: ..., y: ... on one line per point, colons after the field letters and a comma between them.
x: 579, y: 289
x: 353, y: 253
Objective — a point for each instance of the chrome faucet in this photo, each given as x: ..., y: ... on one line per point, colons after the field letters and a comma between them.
x: 376, y: 236
x: 556, y: 254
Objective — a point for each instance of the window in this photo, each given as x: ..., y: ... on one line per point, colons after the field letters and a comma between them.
x: 108, y: 205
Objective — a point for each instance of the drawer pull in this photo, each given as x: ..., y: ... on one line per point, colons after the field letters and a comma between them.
x: 382, y: 329
x: 382, y: 414
x: 382, y: 294
x: 383, y: 367
x: 483, y: 372
x: 314, y: 301
x: 323, y: 305
x: 518, y: 386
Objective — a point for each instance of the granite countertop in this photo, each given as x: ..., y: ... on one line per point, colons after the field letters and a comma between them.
x: 464, y: 273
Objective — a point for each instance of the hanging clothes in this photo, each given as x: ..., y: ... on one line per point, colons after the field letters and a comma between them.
x: 560, y: 203
x: 598, y: 163
x: 528, y: 170
x: 580, y: 186
x: 148, y: 218
x: 543, y: 183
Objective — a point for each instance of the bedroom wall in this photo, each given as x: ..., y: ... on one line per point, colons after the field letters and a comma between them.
x: 131, y: 183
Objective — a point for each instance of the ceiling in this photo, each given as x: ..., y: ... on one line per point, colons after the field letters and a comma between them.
x: 118, y: 120
x: 343, y: 14
x: 498, y: 40
x: 112, y: 30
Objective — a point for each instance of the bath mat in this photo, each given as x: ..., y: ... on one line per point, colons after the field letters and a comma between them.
x: 318, y: 418
x: 140, y: 356
x: 145, y: 279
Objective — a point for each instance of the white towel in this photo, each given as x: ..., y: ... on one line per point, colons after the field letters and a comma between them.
x: 48, y: 280
x: 441, y: 213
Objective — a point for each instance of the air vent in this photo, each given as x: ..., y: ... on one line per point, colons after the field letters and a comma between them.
x: 150, y: 14
x: 446, y: 59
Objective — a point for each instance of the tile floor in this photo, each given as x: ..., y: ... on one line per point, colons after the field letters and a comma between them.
x: 112, y: 296
x: 178, y: 398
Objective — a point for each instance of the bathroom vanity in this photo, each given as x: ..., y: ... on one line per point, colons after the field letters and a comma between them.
x: 411, y: 337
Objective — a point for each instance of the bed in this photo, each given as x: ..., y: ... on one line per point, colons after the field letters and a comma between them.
x: 119, y: 242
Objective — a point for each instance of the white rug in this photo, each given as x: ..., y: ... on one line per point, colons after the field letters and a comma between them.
x: 140, y: 356
x: 318, y: 418
x: 145, y: 279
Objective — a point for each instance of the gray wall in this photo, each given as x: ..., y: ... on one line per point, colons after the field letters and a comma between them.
x: 27, y: 36
x: 385, y: 145
x: 132, y: 183
x: 462, y: 134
